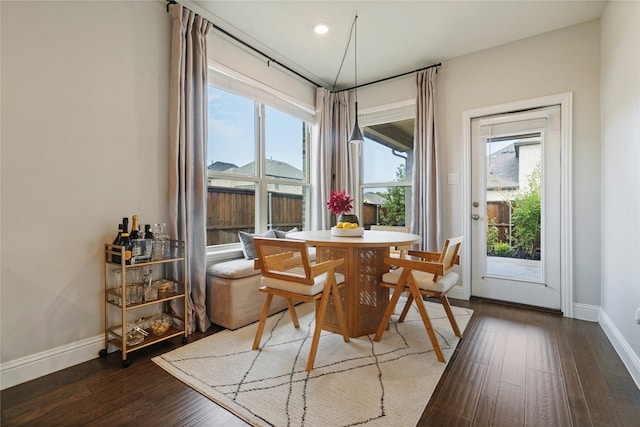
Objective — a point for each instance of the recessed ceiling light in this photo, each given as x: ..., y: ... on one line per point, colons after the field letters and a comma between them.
x: 321, y: 28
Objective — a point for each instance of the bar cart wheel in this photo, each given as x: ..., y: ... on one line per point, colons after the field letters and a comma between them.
x: 126, y: 363
x: 103, y: 353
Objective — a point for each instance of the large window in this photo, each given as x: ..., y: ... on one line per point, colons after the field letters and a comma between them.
x: 387, y: 165
x: 257, y: 168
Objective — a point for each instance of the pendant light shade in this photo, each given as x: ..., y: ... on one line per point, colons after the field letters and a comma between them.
x: 356, y: 135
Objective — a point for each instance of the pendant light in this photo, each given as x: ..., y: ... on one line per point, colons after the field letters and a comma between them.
x: 356, y: 135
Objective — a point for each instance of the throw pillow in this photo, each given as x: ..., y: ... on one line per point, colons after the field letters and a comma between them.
x: 283, y: 234
x: 248, y: 247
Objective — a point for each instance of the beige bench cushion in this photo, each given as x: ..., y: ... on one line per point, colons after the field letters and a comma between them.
x: 234, y: 269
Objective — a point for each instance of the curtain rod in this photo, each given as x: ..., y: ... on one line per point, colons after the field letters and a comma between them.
x: 270, y: 59
x: 389, y: 78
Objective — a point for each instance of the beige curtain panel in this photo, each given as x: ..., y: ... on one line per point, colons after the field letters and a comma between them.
x: 332, y: 162
x: 188, y: 153
x: 425, y: 219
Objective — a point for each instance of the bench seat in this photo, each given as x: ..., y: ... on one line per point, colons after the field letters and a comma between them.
x: 233, y: 299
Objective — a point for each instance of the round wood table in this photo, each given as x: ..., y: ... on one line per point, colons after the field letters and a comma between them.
x: 363, y: 299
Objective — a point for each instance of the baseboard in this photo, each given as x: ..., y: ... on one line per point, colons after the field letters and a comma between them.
x: 37, y: 365
x: 457, y: 293
x: 624, y: 350
x: 586, y: 312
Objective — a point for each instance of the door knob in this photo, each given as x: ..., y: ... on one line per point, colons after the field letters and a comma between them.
x: 475, y: 217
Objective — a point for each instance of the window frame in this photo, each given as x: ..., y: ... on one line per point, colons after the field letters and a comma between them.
x: 260, y: 180
x: 386, y: 113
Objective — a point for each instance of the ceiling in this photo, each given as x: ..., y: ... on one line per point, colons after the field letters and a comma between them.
x: 393, y: 37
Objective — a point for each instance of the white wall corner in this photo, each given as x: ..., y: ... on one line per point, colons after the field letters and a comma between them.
x: 630, y: 359
x: 27, y: 368
x: 588, y: 312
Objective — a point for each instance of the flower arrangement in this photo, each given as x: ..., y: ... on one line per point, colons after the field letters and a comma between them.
x: 340, y: 203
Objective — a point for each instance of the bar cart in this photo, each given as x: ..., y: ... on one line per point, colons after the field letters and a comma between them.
x: 122, y: 297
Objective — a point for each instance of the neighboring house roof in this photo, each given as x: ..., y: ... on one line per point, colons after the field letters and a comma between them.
x: 374, y: 199
x: 221, y: 166
x: 275, y: 169
x: 503, y: 169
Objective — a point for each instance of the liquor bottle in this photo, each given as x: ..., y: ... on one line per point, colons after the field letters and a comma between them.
x: 125, y: 230
x: 117, y: 241
x: 148, y: 234
x: 118, y: 236
x: 135, y: 230
x: 128, y: 247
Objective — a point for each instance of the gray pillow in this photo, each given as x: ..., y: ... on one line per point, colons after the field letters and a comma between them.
x: 248, y: 248
x: 283, y: 234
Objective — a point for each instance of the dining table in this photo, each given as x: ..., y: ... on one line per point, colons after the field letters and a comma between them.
x: 363, y: 299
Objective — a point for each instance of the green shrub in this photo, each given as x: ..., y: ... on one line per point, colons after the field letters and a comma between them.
x: 526, y: 215
x: 501, y: 249
x: 492, y: 234
x: 392, y: 212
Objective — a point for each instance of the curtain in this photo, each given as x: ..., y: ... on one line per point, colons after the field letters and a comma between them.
x: 425, y: 218
x: 188, y: 154
x: 343, y: 177
x: 331, y: 159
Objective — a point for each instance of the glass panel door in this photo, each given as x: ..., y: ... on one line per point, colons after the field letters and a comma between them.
x: 515, y: 202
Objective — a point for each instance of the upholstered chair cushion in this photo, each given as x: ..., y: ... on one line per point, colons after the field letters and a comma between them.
x: 424, y: 280
x: 300, y: 288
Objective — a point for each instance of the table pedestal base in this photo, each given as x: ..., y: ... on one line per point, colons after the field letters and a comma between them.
x: 364, y: 300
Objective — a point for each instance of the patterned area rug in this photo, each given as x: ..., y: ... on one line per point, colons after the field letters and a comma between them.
x: 386, y: 383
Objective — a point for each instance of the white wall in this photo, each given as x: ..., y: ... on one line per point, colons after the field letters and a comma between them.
x: 84, y: 143
x: 566, y: 60
x: 620, y: 88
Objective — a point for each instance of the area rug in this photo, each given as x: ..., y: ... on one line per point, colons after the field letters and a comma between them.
x: 362, y: 382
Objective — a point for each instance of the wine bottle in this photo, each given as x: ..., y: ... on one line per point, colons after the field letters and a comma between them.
x: 135, y: 230
x: 128, y: 247
x: 117, y: 241
x: 118, y: 236
x: 148, y: 234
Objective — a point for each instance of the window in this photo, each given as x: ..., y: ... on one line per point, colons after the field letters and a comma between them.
x: 387, y: 164
x: 257, y: 168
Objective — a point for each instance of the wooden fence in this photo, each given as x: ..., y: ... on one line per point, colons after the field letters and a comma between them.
x: 230, y: 210
x: 502, y: 213
x: 369, y: 215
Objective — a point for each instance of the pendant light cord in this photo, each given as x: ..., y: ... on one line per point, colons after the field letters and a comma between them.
x: 356, y: 134
x: 353, y: 24
x: 355, y: 60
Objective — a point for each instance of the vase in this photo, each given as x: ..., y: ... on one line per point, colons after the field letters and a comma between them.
x: 344, y: 217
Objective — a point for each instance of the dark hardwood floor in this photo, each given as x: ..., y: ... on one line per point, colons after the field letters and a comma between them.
x: 514, y: 367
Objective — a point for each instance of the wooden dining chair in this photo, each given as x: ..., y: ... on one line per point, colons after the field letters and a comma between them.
x: 430, y: 275
x: 287, y: 272
x: 395, y: 251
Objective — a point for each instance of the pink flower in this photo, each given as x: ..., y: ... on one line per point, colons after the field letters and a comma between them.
x: 340, y: 202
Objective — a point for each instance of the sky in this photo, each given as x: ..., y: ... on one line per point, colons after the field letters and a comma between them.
x: 379, y: 163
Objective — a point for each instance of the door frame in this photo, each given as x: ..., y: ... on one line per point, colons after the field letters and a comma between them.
x: 565, y: 100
